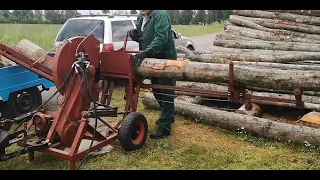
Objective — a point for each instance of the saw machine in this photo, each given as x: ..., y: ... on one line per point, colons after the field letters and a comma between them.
x: 76, y: 69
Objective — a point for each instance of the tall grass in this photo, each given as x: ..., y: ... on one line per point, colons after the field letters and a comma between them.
x: 44, y: 34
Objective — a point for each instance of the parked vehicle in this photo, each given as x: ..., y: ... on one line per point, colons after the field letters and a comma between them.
x: 20, y: 90
x: 111, y: 32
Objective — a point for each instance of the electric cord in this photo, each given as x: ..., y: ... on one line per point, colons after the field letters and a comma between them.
x: 66, y: 78
x: 84, y: 72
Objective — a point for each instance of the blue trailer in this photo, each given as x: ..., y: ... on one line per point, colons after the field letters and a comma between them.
x: 20, y: 90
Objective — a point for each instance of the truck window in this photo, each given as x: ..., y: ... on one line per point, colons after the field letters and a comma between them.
x: 75, y: 27
x: 119, y: 29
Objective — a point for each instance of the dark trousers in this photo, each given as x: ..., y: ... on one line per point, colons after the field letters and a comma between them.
x: 165, y: 99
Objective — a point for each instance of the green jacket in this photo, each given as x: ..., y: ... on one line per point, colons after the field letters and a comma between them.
x: 157, y: 37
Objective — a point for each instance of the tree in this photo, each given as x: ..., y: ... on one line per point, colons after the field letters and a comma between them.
x: 226, y: 14
x: 133, y: 12
x: 6, y: 13
x: 105, y: 11
x: 71, y: 13
x: 219, y: 16
x: 199, y: 17
x: 186, y: 17
x: 211, y: 16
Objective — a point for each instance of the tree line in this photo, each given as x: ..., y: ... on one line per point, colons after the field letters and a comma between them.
x: 186, y: 17
x: 178, y: 17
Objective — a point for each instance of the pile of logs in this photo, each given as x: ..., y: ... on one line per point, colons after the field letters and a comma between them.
x: 269, y: 50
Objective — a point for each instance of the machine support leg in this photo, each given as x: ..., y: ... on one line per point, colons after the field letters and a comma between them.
x: 110, y: 91
x: 31, y: 157
x: 77, y: 140
x: 72, y: 164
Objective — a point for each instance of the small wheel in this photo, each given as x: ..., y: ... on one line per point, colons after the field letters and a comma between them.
x: 190, y: 48
x: 133, y: 131
x: 22, y: 102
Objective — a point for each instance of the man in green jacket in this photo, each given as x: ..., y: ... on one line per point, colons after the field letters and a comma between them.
x: 155, y: 38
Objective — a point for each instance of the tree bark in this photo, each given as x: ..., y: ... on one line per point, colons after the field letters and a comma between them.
x: 30, y: 50
x: 301, y: 12
x: 267, y: 36
x: 211, y: 72
x: 270, y: 45
x: 233, y: 35
x: 272, y: 30
x: 234, y: 121
x: 279, y: 24
x: 257, y: 51
x: 240, y: 57
x: 282, y: 16
x: 238, y: 20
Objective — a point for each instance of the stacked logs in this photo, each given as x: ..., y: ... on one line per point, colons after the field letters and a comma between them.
x: 269, y: 51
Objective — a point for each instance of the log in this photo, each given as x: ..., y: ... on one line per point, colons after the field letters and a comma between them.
x: 272, y: 30
x: 310, y: 102
x: 211, y: 72
x: 282, y: 16
x: 194, y: 100
x: 301, y: 12
x: 30, y: 50
x: 238, y: 20
x: 267, y: 35
x: 258, y: 51
x: 239, y: 58
x: 271, y: 45
x: 201, y: 57
x: 232, y: 35
x: 278, y: 24
x: 234, y: 121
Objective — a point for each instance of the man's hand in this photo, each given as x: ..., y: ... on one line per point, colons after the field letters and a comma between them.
x: 138, y: 58
x: 134, y: 34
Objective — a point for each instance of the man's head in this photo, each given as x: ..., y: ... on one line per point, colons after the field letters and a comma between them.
x: 144, y: 12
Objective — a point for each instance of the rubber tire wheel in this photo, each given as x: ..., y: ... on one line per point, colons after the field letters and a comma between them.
x: 128, y: 126
x: 11, y: 111
x: 190, y: 48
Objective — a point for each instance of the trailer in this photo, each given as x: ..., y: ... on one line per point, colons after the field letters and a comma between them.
x: 20, y: 90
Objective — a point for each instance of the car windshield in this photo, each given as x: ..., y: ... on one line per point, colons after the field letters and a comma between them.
x: 119, y: 29
x: 75, y: 27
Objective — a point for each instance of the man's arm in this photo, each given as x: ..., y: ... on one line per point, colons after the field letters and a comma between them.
x: 161, y: 31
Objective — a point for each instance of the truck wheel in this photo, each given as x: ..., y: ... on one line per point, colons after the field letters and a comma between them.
x: 21, y: 102
x: 133, y: 131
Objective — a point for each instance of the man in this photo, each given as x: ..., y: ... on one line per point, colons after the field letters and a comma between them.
x: 155, y: 38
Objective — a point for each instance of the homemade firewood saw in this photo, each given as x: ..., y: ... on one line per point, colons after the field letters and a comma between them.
x: 76, y: 68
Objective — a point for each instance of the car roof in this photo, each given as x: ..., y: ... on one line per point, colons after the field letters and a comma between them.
x: 105, y: 17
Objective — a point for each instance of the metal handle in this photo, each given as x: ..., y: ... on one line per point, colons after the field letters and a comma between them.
x: 124, y: 47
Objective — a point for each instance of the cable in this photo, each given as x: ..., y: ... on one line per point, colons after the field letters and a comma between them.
x: 84, y: 72
x: 66, y: 78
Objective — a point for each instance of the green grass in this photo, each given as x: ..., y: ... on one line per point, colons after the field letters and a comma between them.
x: 196, y: 30
x: 192, y: 145
x: 44, y: 35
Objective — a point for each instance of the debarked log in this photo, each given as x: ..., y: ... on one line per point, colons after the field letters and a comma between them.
x: 267, y: 35
x: 280, y: 24
x: 283, y: 16
x: 235, y: 121
x: 271, y: 45
x: 210, y: 72
x: 252, y: 58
